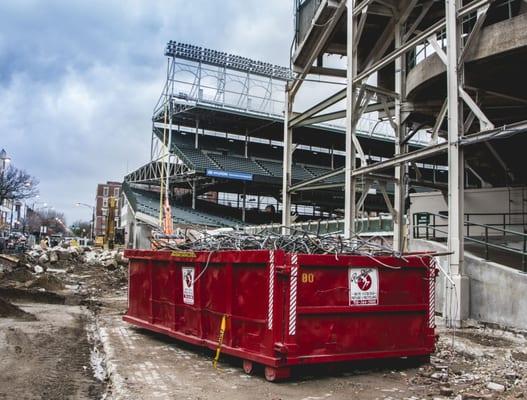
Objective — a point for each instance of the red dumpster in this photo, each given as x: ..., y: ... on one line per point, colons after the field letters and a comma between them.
x: 286, y: 309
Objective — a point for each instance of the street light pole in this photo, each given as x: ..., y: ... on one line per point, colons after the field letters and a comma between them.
x: 5, y: 159
x: 92, y: 225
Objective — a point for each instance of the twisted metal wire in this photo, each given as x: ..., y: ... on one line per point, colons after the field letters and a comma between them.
x: 297, y: 241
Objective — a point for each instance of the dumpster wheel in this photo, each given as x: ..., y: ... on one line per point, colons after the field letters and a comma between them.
x: 248, y: 367
x: 277, y: 374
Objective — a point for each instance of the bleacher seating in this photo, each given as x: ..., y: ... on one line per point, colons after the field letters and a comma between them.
x: 207, y: 157
x: 238, y: 164
x: 318, y: 171
x: 274, y: 168
x: 198, y: 160
x: 148, y: 204
x: 300, y: 173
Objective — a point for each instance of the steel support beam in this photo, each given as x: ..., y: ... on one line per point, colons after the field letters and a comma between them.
x: 323, y: 118
x: 421, y: 37
x: 400, y: 147
x: 456, y: 297
x: 328, y: 102
x: 324, y: 37
x: 349, y: 181
x: 288, y: 161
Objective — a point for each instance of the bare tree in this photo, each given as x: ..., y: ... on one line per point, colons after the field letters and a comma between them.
x: 81, y: 228
x: 54, y: 221
x: 17, y: 184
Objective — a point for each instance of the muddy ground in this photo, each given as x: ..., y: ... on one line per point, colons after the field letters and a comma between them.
x: 62, y: 337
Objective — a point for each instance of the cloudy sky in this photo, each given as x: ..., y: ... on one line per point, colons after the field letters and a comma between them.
x: 79, y: 79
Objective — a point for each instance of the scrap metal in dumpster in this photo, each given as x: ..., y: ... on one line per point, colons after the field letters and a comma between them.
x: 285, y: 309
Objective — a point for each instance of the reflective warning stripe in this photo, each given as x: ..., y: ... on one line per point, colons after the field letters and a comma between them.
x: 271, y: 291
x: 293, y: 294
x: 432, y: 294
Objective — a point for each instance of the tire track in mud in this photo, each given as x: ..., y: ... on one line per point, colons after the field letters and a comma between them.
x: 47, y: 359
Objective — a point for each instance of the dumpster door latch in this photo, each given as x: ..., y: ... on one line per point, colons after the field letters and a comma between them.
x: 281, y: 348
x: 283, y: 269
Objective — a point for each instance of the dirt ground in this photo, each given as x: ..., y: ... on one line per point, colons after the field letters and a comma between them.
x: 147, y: 365
x: 69, y: 342
x: 47, y: 358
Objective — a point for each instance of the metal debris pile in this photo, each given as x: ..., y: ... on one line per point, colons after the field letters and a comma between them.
x: 298, y: 241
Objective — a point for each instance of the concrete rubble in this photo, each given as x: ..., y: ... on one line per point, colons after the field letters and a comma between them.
x: 63, y: 267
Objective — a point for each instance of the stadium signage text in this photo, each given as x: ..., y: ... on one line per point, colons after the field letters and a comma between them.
x: 229, y: 175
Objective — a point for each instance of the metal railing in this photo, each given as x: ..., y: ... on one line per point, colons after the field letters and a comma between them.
x: 432, y: 226
x: 382, y: 224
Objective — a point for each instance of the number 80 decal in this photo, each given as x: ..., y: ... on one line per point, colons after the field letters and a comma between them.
x: 308, y: 277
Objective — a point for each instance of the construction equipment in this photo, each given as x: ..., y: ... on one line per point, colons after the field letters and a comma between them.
x: 109, y: 237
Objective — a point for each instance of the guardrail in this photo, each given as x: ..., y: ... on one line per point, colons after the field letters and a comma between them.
x: 429, y: 226
x: 372, y: 225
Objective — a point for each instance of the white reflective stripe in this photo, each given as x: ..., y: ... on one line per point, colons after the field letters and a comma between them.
x: 432, y: 295
x: 271, y: 291
x: 293, y: 294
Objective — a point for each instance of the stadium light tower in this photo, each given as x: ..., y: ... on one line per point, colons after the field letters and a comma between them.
x: 230, y: 61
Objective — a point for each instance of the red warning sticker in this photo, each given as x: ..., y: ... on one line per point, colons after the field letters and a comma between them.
x: 363, y: 286
x: 188, y: 285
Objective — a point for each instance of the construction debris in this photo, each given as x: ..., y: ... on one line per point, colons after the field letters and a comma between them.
x: 60, y: 267
x: 298, y: 241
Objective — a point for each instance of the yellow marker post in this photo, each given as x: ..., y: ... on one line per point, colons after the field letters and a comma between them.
x: 220, y: 341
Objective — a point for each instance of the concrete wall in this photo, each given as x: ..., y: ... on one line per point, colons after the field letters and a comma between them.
x: 497, y: 293
x: 495, y: 39
x: 487, y: 200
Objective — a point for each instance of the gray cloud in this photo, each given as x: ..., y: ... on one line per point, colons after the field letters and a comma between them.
x: 79, y: 79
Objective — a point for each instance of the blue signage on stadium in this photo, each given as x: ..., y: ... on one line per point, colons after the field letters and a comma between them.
x: 229, y: 175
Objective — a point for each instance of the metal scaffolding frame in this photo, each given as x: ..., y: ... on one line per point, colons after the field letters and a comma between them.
x: 363, y: 97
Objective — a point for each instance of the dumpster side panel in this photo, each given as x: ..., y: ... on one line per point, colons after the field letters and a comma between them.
x: 250, y: 306
x: 163, y: 294
x: 286, y: 309
x: 139, y: 289
x: 332, y: 324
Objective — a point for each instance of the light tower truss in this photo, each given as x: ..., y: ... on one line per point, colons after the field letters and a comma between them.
x: 199, y: 76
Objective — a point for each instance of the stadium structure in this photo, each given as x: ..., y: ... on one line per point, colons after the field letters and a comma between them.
x: 217, y: 149
x: 452, y: 69
x: 422, y: 124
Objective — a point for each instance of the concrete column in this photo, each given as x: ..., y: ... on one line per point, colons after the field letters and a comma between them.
x: 457, y: 293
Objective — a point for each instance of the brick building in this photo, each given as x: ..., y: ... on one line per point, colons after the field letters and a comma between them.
x: 104, y: 192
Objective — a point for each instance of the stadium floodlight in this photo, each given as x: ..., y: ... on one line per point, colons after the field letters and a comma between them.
x: 218, y: 58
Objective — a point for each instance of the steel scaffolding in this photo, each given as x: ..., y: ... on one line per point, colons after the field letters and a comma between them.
x: 409, y: 28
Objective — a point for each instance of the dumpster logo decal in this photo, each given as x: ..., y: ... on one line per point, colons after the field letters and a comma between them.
x: 188, y: 285
x: 363, y: 286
